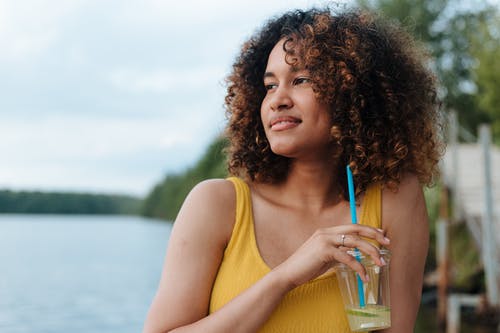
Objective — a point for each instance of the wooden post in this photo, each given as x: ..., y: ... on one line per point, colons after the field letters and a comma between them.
x: 489, y: 251
x: 453, y: 181
x: 453, y: 324
x: 442, y: 255
x: 455, y: 303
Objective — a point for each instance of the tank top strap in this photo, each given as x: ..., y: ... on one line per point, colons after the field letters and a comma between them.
x: 242, y: 225
x: 371, y: 210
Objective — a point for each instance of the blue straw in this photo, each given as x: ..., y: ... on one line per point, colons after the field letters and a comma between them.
x: 354, y: 220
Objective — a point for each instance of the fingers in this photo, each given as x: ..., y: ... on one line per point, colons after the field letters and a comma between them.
x: 365, y: 247
x: 364, y: 231
x: 336, y: 240
x: 350, y: 236
x: 350, y: 261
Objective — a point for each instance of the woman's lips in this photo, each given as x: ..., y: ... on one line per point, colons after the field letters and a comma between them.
x: 284, y: 123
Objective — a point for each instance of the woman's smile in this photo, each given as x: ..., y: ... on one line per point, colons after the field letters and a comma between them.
x: 284, y: 122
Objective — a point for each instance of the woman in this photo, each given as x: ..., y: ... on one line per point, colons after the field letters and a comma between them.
x: 309, y: 94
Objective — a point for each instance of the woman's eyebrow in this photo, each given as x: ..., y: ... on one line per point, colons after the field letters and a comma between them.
x: 292, y: 70
x: 268, y: 74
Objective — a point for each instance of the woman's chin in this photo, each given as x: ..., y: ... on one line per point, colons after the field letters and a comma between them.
x: 283, y: 150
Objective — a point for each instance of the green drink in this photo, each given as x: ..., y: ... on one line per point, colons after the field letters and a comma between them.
x: 368, y: 318
x: 373, y: 310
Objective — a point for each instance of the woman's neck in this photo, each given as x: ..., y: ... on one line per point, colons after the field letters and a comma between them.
x: 310, y: 185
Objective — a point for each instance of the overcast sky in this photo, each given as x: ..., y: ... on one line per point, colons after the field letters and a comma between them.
x: 109, y: 96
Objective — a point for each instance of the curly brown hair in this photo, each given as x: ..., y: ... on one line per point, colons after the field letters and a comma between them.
x: 372, y: 75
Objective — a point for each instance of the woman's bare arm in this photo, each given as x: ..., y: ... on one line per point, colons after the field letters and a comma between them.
x: 406, y: 223
x: 194, y: 254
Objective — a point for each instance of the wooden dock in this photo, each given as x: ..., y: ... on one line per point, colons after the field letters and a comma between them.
x: 471, y: 171
x: 469, y: 180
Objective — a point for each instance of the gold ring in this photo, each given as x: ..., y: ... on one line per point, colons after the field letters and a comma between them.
x: 343, y: 238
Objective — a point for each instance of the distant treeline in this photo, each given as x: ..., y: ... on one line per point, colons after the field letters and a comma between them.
x: 163, y: 202
x: 67, y: 203
x: 166, y: 198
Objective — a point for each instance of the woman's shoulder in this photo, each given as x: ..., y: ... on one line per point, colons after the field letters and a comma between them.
x: 213, y: 189
x: 406, y: 190
x: 403, y: 201
x: 210, y: 207
x: 212, y: 197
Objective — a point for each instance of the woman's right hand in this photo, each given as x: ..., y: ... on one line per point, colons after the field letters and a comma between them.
x: 329, y: 246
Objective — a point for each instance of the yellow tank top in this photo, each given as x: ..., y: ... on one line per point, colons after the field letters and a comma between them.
x: 315, y: 306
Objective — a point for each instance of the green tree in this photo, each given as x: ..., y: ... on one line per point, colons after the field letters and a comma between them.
x: 485, y: 46
x: 445, y: 26
x: 166, y: 198
x: 66, y: 203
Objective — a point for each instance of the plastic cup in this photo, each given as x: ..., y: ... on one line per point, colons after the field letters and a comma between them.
x: 376, y: 314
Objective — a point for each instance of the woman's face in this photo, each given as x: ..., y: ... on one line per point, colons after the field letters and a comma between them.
x: 296, y: 123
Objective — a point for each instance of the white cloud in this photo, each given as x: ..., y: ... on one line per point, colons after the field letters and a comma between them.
x: 107, y: 154
x: 165, y: 80
x: 194, y: 13
x: 77, y: 137
x: 29, y: 28
x: 109, y: 95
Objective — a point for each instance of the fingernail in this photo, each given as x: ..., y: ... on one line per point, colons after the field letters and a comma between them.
x: 367, y: 278
x: 381, y: 230
x: 387, y: 240
x: 383, y: 261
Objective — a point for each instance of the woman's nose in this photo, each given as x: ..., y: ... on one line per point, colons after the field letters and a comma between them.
x: 281, y: 100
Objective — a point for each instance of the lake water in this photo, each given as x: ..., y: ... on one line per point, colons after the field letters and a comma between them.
x: 78, y: 273
x: 89, y: 274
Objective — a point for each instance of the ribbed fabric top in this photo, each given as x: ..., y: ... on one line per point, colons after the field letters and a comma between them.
x: 315, y: 306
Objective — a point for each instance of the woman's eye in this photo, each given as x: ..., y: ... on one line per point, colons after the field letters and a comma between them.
x: 270, y: 86
x: 301, y: 80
